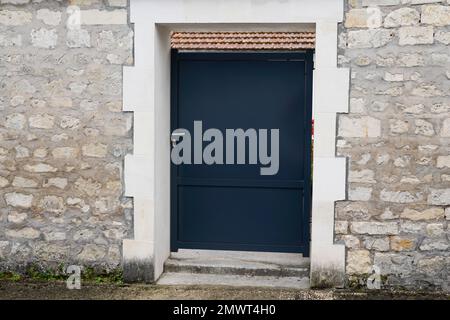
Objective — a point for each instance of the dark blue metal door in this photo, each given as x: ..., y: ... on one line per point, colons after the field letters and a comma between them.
x: 233, y: 207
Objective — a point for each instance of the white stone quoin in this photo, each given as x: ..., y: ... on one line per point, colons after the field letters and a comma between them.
x: 147, y: 94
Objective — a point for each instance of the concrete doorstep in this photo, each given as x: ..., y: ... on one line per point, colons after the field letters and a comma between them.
x: 234, y: 268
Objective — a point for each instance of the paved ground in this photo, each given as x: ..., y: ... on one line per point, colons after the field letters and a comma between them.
x: 57, y: 290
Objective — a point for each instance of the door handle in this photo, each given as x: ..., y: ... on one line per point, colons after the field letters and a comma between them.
x: 175, y: 136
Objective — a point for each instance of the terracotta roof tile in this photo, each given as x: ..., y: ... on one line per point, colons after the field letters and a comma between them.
x: 243, y: 40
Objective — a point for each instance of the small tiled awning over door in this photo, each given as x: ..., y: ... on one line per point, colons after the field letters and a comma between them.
x: 243, y: 40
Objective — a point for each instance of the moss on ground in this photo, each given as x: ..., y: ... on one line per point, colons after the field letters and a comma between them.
x: 10, y: 276
x: 88, y: 275
x: 113, y: 276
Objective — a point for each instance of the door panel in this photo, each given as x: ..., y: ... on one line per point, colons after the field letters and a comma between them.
x: 240, y: 224
x: 233, y: 207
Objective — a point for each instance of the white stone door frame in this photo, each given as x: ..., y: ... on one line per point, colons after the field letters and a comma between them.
x: 146, y: 92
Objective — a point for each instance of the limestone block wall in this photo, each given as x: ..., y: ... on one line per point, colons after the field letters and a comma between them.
x: 397, y: 139
x: 63, y: 135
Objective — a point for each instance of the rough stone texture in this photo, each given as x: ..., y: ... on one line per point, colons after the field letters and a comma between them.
x: 43, y: 38
x: 415, y: 35
x: 397, y: 140
x: 103, y: 17
x: 442, y: 37
x: 377, y: 244
x: 363, y: 18
x: 15, y: 18
x: 439, y: 197
x: 359, y: 262
x: 117, y: 3
x: 403, y: 243
x: 402, y: 17
x: 366, y: 3
x: 359, y: 127
x: 436, y: 15
x: 373, y: 38
x: 97, y: 150
x: 15, y: 199
x: 78, y: 38
x: 374, y: 228
x: 443, y: 162
x: 49, y: 17
x: 63, y: 136
x: 428, y: 214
